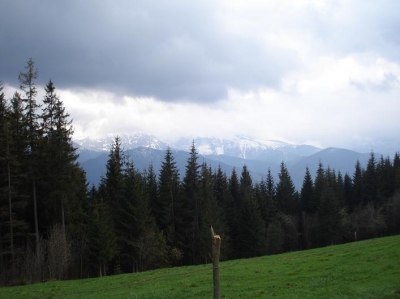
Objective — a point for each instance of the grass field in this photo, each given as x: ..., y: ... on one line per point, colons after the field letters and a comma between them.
x: 367, y: 269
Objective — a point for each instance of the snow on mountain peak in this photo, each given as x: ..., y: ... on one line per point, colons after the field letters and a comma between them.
x: 240, y: 146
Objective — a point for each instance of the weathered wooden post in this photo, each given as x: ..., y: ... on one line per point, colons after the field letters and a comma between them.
x: 216, y: 248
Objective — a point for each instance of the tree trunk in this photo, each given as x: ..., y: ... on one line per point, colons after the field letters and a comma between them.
x: 36, y: 216
x: 63, y: 215
x: 10, y: 204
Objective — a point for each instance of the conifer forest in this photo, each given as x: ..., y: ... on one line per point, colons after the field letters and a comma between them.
x: 53, y: 225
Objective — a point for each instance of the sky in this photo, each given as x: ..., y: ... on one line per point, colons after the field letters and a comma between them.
x: 325, y: 73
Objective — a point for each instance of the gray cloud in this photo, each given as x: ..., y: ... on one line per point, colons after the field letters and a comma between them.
x: 172, y: 51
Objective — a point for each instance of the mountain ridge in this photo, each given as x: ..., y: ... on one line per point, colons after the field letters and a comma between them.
x: 258, y: 156
x: 241, y: 146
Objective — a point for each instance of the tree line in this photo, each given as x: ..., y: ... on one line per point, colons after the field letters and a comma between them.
x: 54, y: 226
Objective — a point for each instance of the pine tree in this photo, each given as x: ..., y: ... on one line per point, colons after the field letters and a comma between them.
x: 319, y: 184
x: 113, y: 180
x: 27, y: 85
x: 221, y: 187
x: 103, y: 243
x: 151, y: 187
x: 339, y: 189
x: 232, y: 207
x: 58, y: 155
x: 6, y: 209
x: 18, y: 151
x: 348, y: 192
x: 370, y: 182
x: 190, y: 188
x: 251, y: 231
x: 384, y: 171
x: 260, y: 193
x: 396, y: 171
x: 330, y: 214
x: 307, y: 195
x: 286, y: 194
x: 150, y: 245
x: 272, y: 206
x: 358, y: 187
x: 168, y: 211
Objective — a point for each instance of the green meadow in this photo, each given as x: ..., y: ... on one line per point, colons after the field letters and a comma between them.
x: 366, y: 269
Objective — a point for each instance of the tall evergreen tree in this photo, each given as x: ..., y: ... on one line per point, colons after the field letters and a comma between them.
x: 168, y: 211
x: 260, y: 192
x: 272, y: 206
x: 358, y: 186
x: 348, y: 192
x: 370, y: 182
x: 384, y: 175
x: 103, y: 243
x: 307, y: 195
x: 58, y: 152
x: 251, y: 230
x: 221, y: 187
x: 339, y: 188
x: 232, y: 211
x: 151, y: 187
x: 113, y: 180
x: 10, y: 224
x: 319, y: 184
x: 286, y: 195
x: 190, y: 188
x: 330, y: 218
x: 27, y: 85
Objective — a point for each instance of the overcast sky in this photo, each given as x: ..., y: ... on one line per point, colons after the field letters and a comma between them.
x: 325, y: 73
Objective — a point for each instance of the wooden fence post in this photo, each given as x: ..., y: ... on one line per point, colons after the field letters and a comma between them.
x: 216, y: 248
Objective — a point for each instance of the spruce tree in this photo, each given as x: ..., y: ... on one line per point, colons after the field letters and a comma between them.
x: 385, y: 179
x: 251, y: 231
x: 272, y: 206
x: 307, y: 195
x: 286, y: 195
x: 330, y: 218
x: 232, y: 211
x: 370, y: 182
x: 27, y: 85
x: 319, y: 185
x: 103, y: 243
x: 339, y: 188
x: 58, y: 155
x: 190, y: 188
x: 260, y: 192
x: 113, y: 180
x: 168, y: 211
x: 221, y: 187
x: 348, y: 193
x: 358, y: 185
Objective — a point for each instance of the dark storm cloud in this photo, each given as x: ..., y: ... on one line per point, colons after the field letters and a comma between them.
x: 173, y: 50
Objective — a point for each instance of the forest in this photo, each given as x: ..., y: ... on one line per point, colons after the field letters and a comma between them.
x: 54, y: 226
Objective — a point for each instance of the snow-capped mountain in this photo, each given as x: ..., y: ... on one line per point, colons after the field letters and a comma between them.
x: 247, y: 148
x: 240, y: 147
x: 257, y: 155
x: 128, y: 141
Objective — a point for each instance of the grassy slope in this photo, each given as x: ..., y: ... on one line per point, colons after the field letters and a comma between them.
x: 368, y: 269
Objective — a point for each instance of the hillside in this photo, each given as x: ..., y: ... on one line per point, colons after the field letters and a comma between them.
x: 367, y: 269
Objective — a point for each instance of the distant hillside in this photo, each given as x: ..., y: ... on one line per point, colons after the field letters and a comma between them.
x: 338, y: 159
x: 257, y: 155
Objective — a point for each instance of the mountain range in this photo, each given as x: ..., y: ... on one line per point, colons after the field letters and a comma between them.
x: 258, y: 155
